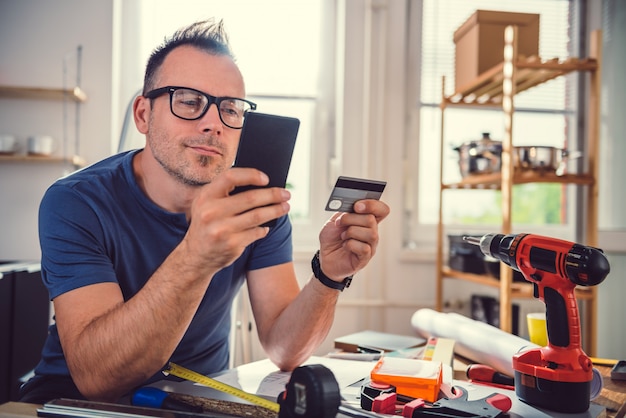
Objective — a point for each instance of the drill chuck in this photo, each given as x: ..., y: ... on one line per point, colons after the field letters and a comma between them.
x: 490, y: 245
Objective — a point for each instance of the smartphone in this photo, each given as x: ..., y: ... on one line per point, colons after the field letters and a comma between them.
x: 267, y: 143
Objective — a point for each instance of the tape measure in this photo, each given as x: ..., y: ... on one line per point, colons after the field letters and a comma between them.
x: 183, y: 373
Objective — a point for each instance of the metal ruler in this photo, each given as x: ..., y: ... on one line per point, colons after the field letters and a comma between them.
x: 183, y: 373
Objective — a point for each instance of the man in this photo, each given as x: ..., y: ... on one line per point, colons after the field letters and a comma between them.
x: 144, y: 251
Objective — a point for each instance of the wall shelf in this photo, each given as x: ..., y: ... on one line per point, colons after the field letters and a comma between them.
x: 488, y: 88
x: 75, y: 160
x: 494, y: 180
x: 16, y: 92
x: 518, y: 290
x: 65, y: 95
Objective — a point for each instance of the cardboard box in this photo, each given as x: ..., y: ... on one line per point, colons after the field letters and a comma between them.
x: 479, y: 42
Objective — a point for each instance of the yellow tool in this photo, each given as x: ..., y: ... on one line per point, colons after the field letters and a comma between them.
x: 183, y: 373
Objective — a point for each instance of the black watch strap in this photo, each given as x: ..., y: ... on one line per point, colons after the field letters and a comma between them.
x: 325, y: 280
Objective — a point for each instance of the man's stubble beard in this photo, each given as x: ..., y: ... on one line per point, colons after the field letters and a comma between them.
x: 172, y: 160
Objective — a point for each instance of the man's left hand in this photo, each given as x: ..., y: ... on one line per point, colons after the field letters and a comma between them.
x: 349, y: 240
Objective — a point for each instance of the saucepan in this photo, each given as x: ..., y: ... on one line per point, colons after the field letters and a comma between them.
x: 543, y: 158
x: 481, y: 156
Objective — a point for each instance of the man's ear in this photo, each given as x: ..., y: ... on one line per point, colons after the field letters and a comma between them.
x: 141, y: 113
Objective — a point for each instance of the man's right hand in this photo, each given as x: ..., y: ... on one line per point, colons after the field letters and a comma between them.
x: 223, y: 225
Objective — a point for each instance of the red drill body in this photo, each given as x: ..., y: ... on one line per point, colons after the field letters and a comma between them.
x: 555, y: 267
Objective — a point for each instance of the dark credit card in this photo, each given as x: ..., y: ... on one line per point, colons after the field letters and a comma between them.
x: 349, y: 190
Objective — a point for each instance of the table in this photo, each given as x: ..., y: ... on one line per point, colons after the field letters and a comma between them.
x: 613, y: 395
x: 263, y: 378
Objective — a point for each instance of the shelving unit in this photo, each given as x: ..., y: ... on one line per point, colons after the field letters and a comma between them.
x: 497, y: 88
x: 66, y: 94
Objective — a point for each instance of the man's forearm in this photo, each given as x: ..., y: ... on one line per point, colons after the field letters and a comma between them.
x: 124, y: 346
x: 302, y: 326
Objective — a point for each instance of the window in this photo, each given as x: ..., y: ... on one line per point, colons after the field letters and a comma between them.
x: 544, y: 116
x: 278, y: 47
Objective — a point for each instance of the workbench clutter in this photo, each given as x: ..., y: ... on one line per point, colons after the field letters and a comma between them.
x: 487, y: 345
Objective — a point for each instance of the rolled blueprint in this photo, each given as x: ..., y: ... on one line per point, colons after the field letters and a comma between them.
x: 475, y: 340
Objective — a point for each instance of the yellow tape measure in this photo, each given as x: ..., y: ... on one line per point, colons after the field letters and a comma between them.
x: 183, y: 373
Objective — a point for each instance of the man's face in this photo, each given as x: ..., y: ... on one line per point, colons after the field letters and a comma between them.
x: 194, y: 152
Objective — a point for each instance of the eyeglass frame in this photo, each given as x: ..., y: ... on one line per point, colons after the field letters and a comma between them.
x: 158, y: 92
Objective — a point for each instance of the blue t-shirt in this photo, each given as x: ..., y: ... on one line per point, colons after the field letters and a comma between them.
x: 96, y: 225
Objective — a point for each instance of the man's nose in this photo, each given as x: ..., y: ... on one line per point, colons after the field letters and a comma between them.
x: 211, y: 120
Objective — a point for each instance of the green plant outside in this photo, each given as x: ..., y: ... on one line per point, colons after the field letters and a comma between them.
x: 533, y: 204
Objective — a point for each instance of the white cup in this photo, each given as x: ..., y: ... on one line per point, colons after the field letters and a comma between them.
x: 7, y: 144
x: 40, y: 145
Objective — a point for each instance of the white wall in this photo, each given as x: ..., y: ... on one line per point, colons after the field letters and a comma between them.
x: 36, y: 34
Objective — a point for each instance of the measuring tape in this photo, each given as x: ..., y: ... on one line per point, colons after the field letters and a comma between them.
x: 183, y: 373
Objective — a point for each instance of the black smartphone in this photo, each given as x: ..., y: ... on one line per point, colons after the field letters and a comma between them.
x: 267, y: 143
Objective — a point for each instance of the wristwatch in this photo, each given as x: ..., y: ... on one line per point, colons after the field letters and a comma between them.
x: 326, y: 281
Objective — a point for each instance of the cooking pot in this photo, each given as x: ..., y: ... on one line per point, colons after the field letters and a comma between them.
x: 482, y: 156
x: 543, y: 158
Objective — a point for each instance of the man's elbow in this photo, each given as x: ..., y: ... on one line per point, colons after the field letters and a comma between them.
x: 287, y: 361
x: 286, y: 365
x: 93, y: 393
x: 95, y: 387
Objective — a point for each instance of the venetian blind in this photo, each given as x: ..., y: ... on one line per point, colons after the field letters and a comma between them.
x: 442, y: 17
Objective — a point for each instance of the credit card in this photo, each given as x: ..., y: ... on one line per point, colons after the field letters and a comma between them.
x: 349, y: 190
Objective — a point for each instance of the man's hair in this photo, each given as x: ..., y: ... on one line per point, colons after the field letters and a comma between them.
x: 205, y: 35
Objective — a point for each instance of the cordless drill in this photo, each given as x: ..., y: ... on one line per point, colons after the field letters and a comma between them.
x: 558, y: 376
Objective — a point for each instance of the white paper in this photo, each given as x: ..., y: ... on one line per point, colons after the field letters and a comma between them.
x: 265, y: 379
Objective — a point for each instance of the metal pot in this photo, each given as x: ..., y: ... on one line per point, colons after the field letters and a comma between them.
x: 479, y: 157
x: 543, y: 158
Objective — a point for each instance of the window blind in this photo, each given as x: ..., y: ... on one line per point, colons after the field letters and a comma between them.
x: 442, y: 17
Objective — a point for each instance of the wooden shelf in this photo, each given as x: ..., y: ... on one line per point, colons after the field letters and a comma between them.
x: 494, y: 180
x: 74, y: 94
x: 15, y: 92
x: 487, y: 89
x: 519, y: 290
x: 21, y: 158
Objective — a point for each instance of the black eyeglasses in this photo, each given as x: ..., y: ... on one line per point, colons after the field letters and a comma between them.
x: 191, y: 104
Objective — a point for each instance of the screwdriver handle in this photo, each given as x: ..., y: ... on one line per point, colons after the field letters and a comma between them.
x: 487, y: 374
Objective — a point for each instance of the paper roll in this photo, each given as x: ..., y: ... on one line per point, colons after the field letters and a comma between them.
x: 478, y: 341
